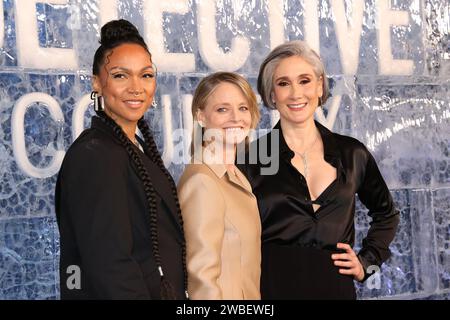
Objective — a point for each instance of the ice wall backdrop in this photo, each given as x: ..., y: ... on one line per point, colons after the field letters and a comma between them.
x: 389, y: 67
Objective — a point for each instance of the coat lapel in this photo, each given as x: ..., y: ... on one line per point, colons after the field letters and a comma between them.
x: 159, y: 180
x: 220, y: 170
x: 240, y: 181
x: 161, y: 186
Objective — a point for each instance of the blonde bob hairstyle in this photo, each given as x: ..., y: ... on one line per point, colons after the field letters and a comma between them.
x: 209, y: 83
x: 207, y: 86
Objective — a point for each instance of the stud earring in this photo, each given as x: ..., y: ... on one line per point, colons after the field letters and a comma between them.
x: 154, y: 104
x: 272, y: 100
x: 99, y: 102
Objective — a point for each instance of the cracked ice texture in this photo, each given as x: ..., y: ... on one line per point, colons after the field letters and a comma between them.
x: 404, y: 121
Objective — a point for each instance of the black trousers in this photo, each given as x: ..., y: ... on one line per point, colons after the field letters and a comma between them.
x: 302, y: 273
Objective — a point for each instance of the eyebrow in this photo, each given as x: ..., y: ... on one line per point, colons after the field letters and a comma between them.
x: 128, y: 70
x: 229, y: 104
x: 299, y: 76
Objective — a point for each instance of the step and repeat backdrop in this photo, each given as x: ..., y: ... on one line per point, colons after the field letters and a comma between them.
x: 388, y: 64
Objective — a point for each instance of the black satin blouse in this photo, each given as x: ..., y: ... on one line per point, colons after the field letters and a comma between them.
x: 286, y: 209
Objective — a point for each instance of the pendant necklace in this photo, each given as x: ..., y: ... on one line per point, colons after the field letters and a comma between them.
x: 304, y: 156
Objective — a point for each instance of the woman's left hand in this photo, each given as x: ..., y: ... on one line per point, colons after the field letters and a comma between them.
x: 348, y: 262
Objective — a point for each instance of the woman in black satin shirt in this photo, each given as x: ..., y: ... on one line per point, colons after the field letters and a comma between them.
x: 307, y: 207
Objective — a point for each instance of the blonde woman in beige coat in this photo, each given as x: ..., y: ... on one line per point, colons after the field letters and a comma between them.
x: 220, y: 213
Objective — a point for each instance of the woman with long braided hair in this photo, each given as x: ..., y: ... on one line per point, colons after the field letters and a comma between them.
x: 116, y: 204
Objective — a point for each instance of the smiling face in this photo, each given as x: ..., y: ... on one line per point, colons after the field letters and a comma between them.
x: 127, y: 83
x: 297, y: 90
x: 227, y: 110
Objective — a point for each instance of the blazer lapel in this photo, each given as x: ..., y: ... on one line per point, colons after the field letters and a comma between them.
x: 240, y: 181
x: 161, y: 186
x: 159, y: 180
x: 220, y: 170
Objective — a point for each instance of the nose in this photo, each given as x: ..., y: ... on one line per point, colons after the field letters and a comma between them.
x: 296, y: 91
x: 234, y: 115
x: 135, y: 87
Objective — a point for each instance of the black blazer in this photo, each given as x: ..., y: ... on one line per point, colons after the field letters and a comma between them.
x: 100, y: 209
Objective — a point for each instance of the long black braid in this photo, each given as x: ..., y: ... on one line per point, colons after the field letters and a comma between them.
x: 156, y: 158
x: 167, y: 291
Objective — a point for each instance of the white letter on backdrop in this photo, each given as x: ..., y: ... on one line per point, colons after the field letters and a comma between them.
x: 311, y: 26
x: 29, y: 53
x: 154, y: 35
x: 107, y: 10
x: 386, y: 17
x: 188, y: 125
x: 348, y: 33
x: 212, y: 54
x: 78, y: 115
x: 2, y: 25
x: 167, y: 155
x: 18, y: 134
x: 276, y: 22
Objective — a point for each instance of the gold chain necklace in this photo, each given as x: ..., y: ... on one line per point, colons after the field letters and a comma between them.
x: 304, y: 156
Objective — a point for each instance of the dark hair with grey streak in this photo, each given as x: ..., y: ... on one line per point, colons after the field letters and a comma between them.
x: 286, y: 50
